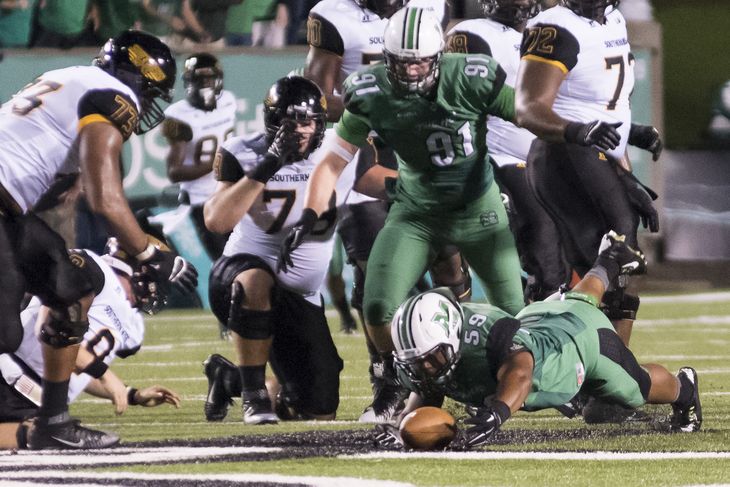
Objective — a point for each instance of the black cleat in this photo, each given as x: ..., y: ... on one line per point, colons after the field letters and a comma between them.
x: 614, y: 247
x: 66, y: 433
x: 689, y: 418
x: 257, y: 408
x: 218, y: 401
x: 597, y: 411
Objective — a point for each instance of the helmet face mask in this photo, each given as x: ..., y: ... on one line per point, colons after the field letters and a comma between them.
x: 510, y: 12
x: 412, y: 50
x: 145, y: 64
x: 591, y: 9
x: 203, y: 80
x: 299, y: 100
x: 426, y: 332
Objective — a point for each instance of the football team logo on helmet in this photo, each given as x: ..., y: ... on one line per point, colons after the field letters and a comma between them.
x: 146, y: 65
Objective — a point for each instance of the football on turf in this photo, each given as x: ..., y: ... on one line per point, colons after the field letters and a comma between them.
x: 428, y: 428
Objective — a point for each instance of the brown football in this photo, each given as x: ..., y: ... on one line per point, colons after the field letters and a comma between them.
x: 428, y: 428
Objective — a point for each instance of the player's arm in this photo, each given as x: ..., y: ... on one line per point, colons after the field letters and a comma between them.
x: 373, y: 182
x: 100, y: 149
x: 234, y: 195
x: 324, y: 61
x: 514, y: 379
x: 178, y: 135
x: 324, y: 177
x: 537, y: 86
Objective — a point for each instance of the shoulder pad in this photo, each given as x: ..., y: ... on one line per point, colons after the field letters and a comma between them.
x: 226, y: 166
x: 111, y: 106
x: 93, y: 272
x: 323, y: 34
x: 550, y: 43
x: 467, y: 42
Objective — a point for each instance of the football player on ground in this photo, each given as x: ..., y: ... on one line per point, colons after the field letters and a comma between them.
x: 116, y: 329
x: 538, y: 242
x: 195, y: 127
x: 276, y: 316
x: 478, y: 355
x: 572, y: 90
x: 344, y: 36
x: 431, y: 109
x: 75, y: 120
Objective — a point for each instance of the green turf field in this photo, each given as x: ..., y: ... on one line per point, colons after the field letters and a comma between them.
x: 533, y: 449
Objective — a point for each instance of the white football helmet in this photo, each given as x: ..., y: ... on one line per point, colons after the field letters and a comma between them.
x: 426, y: 332
x: 413, y: 36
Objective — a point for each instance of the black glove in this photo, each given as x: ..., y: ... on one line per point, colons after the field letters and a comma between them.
x: 641, y: 198
x: 646, y: 137
x: 294, y: 239
x: 485, y: 424
x: 602, y: 135
x: 387, y: 437
x: 280, y: 152
x: 184, y: 275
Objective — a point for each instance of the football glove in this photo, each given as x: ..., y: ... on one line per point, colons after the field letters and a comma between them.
x: 641, y: 198
x: 387, y: 437
x: 285, y: 144
x: 184, y: 275
x: 646, y: 137
x: 486, y: 423
x: 163, y: 267
x: 600, y: 134
x: 295, y: 238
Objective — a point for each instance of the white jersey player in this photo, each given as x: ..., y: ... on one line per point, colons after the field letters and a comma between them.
x: 116, y: 328
x: 274, y: 315
x: 596, y: 60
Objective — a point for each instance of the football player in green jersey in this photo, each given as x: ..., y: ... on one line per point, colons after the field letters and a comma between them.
x: 478, y: 355
x: 431, y: 108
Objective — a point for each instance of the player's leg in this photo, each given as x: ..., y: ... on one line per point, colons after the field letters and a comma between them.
x: 12, y: 287
x: 482, y: 232
x: 240, y: 292
x: 536, y: 236
x: 450, y: 269
x: 305, y: 360
x: 65, y: 285
x: 399, y: 258
x: 214, y: 243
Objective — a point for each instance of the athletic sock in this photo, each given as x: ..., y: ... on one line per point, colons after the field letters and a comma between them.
x: 54, y: 398
x: 253, y: 377
x: 686, y: 392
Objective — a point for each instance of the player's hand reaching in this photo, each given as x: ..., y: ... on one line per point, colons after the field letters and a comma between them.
x: 162, y: 266
x: 641, y: 198
x: 294, y: 238
x: 602, y: 135
x: 646, y: 137
x: 387, y: 437
x: 155, y: 395
x: 486, y: 423
x: 184, y: 275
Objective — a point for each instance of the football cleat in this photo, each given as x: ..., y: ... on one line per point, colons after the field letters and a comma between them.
x: 614, y: 247
x: 64, y: 432
x: 218, y: 401
x: 689, y: 418
x: 257, y: 408
x: 598, y: 411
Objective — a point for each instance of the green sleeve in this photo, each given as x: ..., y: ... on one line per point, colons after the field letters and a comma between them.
x: 503, y: 104
x: 353, y: 128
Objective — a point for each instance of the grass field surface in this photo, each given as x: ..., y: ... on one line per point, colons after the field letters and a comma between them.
x: 166, y: 446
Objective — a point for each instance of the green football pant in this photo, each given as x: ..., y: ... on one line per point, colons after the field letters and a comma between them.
x: 406, y: 244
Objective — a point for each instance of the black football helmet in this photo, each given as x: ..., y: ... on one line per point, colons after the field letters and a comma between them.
x: 384, y: 8
x: 298, y: 99
x: 590, y: 9
x: 203, y: 80
x: 145, y: 64
x: 510, y: 12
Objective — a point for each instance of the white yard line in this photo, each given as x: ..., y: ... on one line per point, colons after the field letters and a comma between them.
x: 688, y: 298
x: 561, y: 456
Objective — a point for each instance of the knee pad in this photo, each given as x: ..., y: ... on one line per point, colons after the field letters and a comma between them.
x: 620, y: 305
x: 248, y: 323
x: 358, y: 288
x: 64, y: 327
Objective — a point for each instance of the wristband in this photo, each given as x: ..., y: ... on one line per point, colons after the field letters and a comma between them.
x: 131, y: 400
x: 570, y: 134
x: 96, y: 368
x: 263, y: 171
x: 501, y: 410
x: 146, y: 253
x: 586, y: 298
